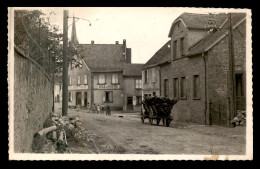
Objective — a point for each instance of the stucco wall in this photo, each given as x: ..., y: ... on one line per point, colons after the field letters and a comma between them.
x: 32, y: 101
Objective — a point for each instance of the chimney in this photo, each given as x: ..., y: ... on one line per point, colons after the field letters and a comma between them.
x: 117, y: 42
x: 92, y: 42
x: 124, y: 43
x: 128, y: 55
x: 124, y: 49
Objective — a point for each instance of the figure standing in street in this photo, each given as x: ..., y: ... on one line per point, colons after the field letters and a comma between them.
x: 88, y: 107
x: 108, y: 111
x: 98, y: 109
x: 94, y: 108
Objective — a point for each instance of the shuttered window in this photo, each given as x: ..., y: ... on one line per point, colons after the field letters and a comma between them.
x: 196, y: 87
x: 166, y: 88
x: 175, y: 49
x: 181, y: 47
x: 101, y: 79
x: 183, y: 88
x: 114, y: 78
x: 175, y: 87
x: 85, y: 79
x: 138, y: 84
x: 146, y: 76
x: 78, y: 80
x: 153, y: 75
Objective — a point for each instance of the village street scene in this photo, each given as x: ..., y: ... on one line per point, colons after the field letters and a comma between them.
x: 116, y: 81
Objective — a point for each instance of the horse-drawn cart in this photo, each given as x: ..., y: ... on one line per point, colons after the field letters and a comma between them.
x: 157, y: 108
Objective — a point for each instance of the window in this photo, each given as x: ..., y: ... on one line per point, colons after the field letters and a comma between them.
x: 181, y: 47
x: 85, y: 79
x: 108, y: 97
x: 166, y: 88
x: 78, y: 80
x: 138, y: 83
x: 70, y: 81
x: 196, y: 87
x: 114, y: 78
x: 154, y: 93
x: 183, y: 88
x: 153, y: 75
x: 146, y: 76
x: 101, y: 79
x: 239, y: 85
x: 70, y: 97
x: 175, y: 49
x: 175, y: 87
x: 138, y: 100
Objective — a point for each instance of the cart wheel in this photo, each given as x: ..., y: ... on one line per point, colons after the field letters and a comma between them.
x: 142, y: 119
x: 164, y: 122
x: 158, y: 121
x: 151, y: 121
x: 167, y: 123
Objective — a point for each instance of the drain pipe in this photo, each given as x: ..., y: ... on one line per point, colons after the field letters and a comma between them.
x: 206, y: 104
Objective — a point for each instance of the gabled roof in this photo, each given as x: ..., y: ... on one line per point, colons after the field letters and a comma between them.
x: 199, y: 21
x: 132, y: 70
x: 161, y: 56
x: 102, y: 57
x: 210, y: 40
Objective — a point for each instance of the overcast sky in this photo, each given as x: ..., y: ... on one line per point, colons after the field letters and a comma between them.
x: 145, y: 29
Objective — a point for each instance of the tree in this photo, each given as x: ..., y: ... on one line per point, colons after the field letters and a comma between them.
x: 39, y: 39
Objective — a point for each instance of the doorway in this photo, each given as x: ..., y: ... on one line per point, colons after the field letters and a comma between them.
x: 78, y: 98
x: 129, y: 103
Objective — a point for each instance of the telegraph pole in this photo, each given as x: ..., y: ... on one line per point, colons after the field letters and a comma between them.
x: 65, y: 64
x: 232, y: 70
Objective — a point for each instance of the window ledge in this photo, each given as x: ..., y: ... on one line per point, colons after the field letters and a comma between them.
x: 196, y: 98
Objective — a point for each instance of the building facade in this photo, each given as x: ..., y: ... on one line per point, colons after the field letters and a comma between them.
x: 132, y: 84
x: 198, y: 74
x: 151, y: 73
x: 102, y: 77
x: 196, y: 70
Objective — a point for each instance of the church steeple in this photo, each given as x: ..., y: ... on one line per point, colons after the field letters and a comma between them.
x: 74, y: 39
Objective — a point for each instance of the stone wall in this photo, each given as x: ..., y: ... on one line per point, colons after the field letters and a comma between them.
x: 32, y: 100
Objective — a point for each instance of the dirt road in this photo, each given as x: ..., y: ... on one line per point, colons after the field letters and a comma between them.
x: 126, y: 135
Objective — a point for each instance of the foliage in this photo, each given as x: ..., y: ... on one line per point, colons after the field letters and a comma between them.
x: 39, y: 39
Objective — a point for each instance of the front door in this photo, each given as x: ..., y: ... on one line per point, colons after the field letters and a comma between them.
x: 129, y: 103
x: 78, y: 98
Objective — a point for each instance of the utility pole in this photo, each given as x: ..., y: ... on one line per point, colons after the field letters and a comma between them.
x: 39, y: 37
x: 53, y: 83
x: 232, y: 75
x: 65, y: 64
